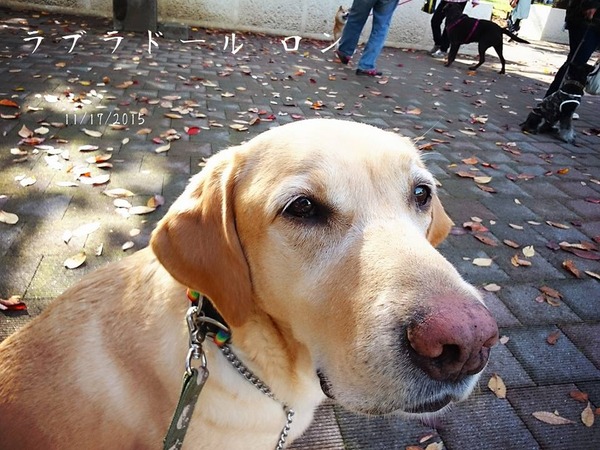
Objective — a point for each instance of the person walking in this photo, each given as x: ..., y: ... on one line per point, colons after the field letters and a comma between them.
x: 359, y: 12
x: 583, y: 25
x: 520, y: 11
x: 440, y: 38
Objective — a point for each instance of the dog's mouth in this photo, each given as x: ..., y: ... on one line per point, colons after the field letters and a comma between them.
x: 430, y: 406
x: 325, y: 385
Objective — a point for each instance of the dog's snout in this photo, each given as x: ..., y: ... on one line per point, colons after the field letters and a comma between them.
x: 452, y: 339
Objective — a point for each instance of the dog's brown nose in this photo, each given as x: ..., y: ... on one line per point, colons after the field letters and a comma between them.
x: 453, y: 338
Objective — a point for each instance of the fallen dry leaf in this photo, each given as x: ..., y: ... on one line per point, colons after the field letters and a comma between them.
x: 92, y: 133
x: 486, y: 240
x: 518, y: 262
x: 552, y: 338
x: 482, y: 262
x: 86, y: 229
x: 142, y: 209
x: 118, y: 193
x: 558, y: 225
x: 497, y: 386
x: 75, y: 261
x: 572, y: 268
x: 529, y: 251
x: 482, y: 180
x: 492, y: 287
x: 163, y: 148
x: 9, y: 103
x: 551, y: 418
x: 127, y: 245
x: 8, y: 218
x: 593, y: 274
x: 510, y: 243
x: 587, y: 416
x: 13, y: 303
x: 576, y: 394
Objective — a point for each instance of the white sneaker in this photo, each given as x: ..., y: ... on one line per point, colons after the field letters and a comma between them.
x: 439, y: 54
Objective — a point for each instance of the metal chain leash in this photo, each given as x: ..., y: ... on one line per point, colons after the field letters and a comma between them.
x: 262, y: 387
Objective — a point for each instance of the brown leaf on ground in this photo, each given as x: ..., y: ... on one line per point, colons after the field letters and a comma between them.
x: 551, y: 418
x: 487, y: 189
x: 552, y: 338
x: 470, y: 161
x: 587, y: 416
x: 570, y: 266
x: 562, y: 226
x: 486, y: 240
x: 550, y: 292
x: 576, y: 394
x: 475, y: 227
x: 518, y: 262
x: 75, y: 261
x: 9, y: 103
x: 497, y: 386
x: 8, y: 218
x: 13, y: 303
x: 593, y: 274
x: 511, y: 244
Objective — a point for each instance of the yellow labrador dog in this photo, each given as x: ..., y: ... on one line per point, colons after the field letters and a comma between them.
x: 315, y: 243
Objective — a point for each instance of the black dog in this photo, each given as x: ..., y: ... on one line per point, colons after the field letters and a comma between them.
x: 463, y: 29
x: 559, y: 106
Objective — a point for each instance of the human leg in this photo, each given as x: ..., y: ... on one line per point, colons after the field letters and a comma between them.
x: 582, y: 44
x: 436, y: 25
x: 359, y: 12
x: 445, y: 41
x: 382, y: 16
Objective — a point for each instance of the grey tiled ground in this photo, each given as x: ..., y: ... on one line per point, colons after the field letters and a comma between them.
x: 539, y: 182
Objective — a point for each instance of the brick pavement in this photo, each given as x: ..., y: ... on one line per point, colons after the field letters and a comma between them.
x: 545, y: 192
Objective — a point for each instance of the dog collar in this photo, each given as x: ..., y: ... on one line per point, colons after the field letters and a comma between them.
x: 204, y: 320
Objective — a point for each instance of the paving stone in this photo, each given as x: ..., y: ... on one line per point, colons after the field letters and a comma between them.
x: 324, y: 434
x: 586, y: 337
x: 526, y: 401
x: 485, y: 422
x: 380, y: 432
x: 545, y: 363
x: 520, y: 299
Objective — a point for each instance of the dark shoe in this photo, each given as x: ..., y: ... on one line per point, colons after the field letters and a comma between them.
x: 369, y: 72
x: 343, y: 58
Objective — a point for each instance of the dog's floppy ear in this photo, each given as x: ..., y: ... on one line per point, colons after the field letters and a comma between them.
x: 197, y: 241
x: 440, y: 223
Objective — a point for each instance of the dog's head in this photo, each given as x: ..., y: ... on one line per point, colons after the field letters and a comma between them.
x: 328, y: 228
x: 341, y: 16
x: 453, y: 12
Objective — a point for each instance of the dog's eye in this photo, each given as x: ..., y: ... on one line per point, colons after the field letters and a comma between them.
x: 301, y: 207
x: 422, y: 195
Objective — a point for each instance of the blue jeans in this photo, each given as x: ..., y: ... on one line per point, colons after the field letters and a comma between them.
x: 382, y: 16
x: 583, y: 41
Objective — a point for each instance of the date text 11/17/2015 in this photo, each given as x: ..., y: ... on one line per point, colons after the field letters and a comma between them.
x: 105, y: 118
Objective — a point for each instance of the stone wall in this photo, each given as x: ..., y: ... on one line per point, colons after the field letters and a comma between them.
x: 307, y: 18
